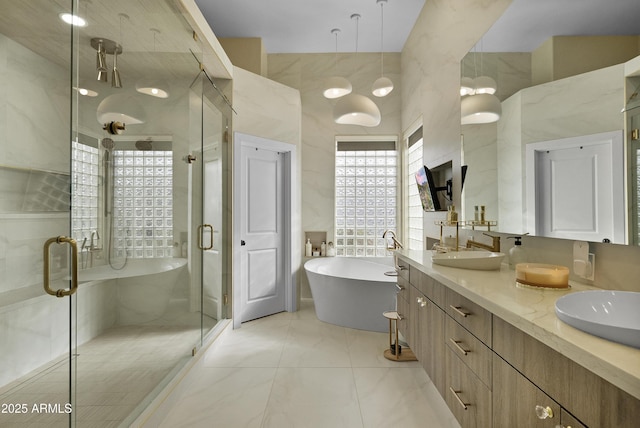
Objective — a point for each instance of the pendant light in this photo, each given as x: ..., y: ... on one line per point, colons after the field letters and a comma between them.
x: 479, y: 105
x: 479, y: 109
x: 484, y: 84
x: 153, y: 87
x: 356, y: 109
x: 336, y: 86
x: 383, y: 85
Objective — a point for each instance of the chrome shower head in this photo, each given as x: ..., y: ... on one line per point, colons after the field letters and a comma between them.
x: 108, y: 143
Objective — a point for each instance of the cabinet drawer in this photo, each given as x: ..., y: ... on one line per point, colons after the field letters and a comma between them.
x: 402, y: 267
x: 432, y: 289
x: 402, y: 286
x: 519, y: 403
x: 467, y: 397
x: 473, y: 353
x: 470, y: 315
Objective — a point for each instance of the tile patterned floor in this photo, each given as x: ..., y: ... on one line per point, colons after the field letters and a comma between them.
x: 292, y: 370
x: 115, y: 372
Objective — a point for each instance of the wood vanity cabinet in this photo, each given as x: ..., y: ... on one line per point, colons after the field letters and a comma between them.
x: 583, y: 394
x: 429, y: 338
x: 492, y: 374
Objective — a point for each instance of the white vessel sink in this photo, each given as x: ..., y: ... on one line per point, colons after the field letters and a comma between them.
x: 612, y: 315
x: 479, y: 260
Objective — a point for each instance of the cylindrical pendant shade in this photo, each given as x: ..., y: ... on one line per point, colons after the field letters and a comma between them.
x: 355, y: 109
x: 485, y: 85
x: 382, y: 86
x: 480, y: 108
x: 337, y: 87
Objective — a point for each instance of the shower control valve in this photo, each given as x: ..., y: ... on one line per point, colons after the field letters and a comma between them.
x: 114, y: 128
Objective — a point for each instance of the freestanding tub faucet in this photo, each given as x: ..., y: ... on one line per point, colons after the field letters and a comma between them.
x: 396, y: 244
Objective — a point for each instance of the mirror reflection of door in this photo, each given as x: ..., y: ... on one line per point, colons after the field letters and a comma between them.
x: 573, y: 182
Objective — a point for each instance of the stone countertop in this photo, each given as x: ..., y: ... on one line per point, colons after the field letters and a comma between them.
x: 533, y: 311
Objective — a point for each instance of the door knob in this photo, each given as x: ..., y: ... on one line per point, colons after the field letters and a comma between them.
x: 242, y: 243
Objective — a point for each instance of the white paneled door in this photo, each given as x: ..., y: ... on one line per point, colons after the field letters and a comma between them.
x: 261, y: 191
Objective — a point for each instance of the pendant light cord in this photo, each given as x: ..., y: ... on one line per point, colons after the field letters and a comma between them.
x: 381, y: 39
x: 355, y: 58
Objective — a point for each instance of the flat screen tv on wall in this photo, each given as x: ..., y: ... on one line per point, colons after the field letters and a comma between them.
x: 427, y: 190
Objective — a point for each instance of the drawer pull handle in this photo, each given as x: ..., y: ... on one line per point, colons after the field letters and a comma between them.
x: 459, y: 311
x: 456, y: 343
x: 422, y: 302
x: 455, y: 394
x: 544, y: 412
x: 400, y: 287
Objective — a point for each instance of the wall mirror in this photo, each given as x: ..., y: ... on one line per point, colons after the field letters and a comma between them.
x: 564, y: 84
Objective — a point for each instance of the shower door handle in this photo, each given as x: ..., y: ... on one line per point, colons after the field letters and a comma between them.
x: 74, y: 264
x: 200, y: 238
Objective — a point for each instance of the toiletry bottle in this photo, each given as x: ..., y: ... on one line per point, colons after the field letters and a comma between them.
x: 323, y: 249
x: 476, y: 214
x: 454, y: 214
x: 331, y: 250
x: 307, y: 248
x: 482, y: 214
x: 517, y: 254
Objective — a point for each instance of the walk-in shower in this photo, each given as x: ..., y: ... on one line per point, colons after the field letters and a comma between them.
x: 104, y: 168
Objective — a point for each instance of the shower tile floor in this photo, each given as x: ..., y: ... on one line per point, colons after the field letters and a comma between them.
x: 116, y: 371
x: 292, y: 370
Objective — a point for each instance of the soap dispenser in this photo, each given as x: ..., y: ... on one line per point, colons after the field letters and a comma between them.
x: 517, y: 254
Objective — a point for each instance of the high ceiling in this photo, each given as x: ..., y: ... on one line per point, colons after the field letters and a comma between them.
x: 303, y: 26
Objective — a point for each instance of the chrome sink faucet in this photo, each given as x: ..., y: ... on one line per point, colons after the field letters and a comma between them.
x: 395, y: 243
x: 495, y: 244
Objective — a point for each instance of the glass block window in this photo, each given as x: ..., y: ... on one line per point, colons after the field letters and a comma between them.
x: 366, y: 197
x: 84, y: 184
x: 143, y: 203
x: 413, y: 206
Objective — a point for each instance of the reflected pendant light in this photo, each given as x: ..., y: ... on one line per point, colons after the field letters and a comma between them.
x: 480, y: 108
x: 383, y: 85
x: 336, y: 86
x: 122, y: 108
x: 356, y: 109
x: 153, y: 87
x: 484, y: 84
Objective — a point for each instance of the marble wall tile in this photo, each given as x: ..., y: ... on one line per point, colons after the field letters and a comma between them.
x: 35, y: 109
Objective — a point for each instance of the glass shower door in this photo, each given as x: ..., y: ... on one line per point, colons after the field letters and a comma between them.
x: 36, y: 251
x: 209, y: 216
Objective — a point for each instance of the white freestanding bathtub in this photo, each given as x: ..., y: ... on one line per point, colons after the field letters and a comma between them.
x: 144, y: 286
x: 353, y: 291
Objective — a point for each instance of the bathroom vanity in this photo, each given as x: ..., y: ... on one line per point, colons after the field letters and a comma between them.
x: 500, y: 357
